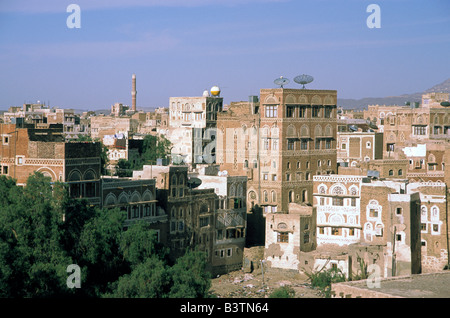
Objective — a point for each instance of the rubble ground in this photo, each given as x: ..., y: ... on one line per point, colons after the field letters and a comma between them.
x: 239, y: 284
x: 260, y: 283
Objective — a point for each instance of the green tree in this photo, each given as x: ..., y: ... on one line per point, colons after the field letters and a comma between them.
x: 149, y: 279
x: 190, y: 278
x: 140, y: 242
x: 43, y: 230
x: 124, y: 168
x: 99, y: 251
x: 32, y: 260
x: 155, y: 147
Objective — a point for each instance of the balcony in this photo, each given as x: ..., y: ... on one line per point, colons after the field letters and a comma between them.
x: 338, y: 209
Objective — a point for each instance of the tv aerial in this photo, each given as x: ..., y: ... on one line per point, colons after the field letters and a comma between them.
x: 303, y: 79
x: 281, y: 81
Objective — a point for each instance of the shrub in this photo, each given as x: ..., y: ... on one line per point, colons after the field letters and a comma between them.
x: 283, y: 292
x: 324, y: 278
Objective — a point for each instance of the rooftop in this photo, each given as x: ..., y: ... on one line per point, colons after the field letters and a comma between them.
x: 429, y: 285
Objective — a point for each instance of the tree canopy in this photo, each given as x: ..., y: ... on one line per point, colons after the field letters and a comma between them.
x: 43, y: 231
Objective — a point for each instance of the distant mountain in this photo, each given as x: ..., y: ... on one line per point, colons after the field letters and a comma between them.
x: 443, y: 87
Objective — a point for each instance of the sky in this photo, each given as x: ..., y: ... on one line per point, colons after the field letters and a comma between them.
x: 182, y: 47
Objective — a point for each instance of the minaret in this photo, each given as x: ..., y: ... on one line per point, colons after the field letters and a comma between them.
x: 133, y: 93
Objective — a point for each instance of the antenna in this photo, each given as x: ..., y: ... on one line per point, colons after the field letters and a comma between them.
x: 281, y: 81
x: 303, y: 79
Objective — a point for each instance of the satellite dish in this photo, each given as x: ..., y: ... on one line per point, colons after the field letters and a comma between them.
x: 373, y: 126
x: 445, y: 104
x: 281, y: 81
x: 353, y: 128
x: 303, y: 79
x: 194, y: 182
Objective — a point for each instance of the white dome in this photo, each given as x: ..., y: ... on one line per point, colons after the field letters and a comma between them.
x: 205, y: 93
x: 215, y: 91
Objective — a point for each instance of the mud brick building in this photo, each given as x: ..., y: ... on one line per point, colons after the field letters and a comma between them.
x: 280, y: 141
x: 110, y: 125
x: 191, y: 212
x: 230, y: 217
x: 28, y: 148
x: 398, y: 225
x: 416, y: 123
x: 288, y: 235
x: 138, y: 199
x: 192, y: 126
x: 434, y: 231
x: 426, y: 161
x: 356, y: 147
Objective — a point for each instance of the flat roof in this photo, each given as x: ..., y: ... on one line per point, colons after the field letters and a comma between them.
x: 428, y: 285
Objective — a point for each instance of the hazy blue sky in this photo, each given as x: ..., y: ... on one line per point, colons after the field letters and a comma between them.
x: 182, y: 47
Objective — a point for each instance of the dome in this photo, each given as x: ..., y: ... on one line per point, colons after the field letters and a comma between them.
x: 215, y: 91
x: 205, y: 93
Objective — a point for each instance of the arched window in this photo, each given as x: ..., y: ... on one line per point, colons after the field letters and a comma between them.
x: 304, y: 196
x: 423, y: 213
x: 434, y: 213
x: 232, y: 190
x: 174, y: 180
x: 291, y: 196
x: 338, y: 190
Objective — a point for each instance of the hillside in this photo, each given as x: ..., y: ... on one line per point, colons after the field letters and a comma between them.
x: 392, y: 100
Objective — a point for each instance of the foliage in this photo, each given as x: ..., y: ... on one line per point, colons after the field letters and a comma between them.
x: 32, y: 260
x: 99, y: 250
x: 362, y: 273
x: 155, y: 147
x: 82, y: 137
x: 152, y: 276
x: 190, y: 278
x: 124, y: 168
x: 149, y: 279
x: 140, y: 242
x: 323, y: 279
x: 283, y: 292
x: 43, y: 231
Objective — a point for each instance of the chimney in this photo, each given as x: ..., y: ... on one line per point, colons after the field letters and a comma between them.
x: 133, y: 93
